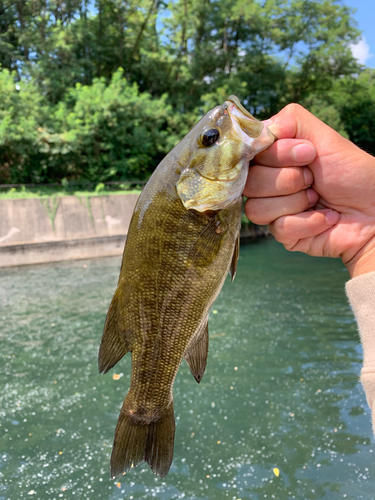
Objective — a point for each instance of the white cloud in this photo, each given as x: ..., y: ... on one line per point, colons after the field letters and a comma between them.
x: 361, y: 51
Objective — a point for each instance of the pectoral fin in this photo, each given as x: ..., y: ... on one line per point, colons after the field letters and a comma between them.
x: 196, y: 355
x: 236, y: 252
x: 114, y: 344
x: 208, y: 243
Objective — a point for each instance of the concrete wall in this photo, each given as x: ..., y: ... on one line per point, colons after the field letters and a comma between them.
x: 62, y: 228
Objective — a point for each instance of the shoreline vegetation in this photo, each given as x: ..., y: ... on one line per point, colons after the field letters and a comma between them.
x: 81, y: 106
x: 66, y: 189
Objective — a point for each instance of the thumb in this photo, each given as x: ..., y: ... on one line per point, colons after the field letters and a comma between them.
x: 294, y: 121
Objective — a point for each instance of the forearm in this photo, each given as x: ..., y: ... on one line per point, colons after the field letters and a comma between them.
x: 361, y: 294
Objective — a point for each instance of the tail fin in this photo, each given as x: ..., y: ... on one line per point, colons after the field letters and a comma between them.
x: 113, y: 345
x: 137, y: 442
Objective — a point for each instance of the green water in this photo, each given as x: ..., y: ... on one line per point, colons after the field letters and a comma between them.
x: 281, y: 388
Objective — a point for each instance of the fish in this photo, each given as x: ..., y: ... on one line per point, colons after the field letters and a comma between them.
x: 183, y: 239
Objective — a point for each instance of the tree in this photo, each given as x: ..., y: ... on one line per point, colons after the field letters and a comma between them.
x: 85, y: 65
x: 114, y: 131
x: 352, y: 100
x: 21, y: 115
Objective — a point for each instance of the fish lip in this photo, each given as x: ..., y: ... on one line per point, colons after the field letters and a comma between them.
x: 257, y: 137
x: 234, y: 110
x: 234, y: 102
x: 239, y: 119
x: 241, y: 113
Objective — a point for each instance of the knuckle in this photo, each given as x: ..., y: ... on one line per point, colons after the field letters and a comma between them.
x: 292, y: 180
x: 294, y: 108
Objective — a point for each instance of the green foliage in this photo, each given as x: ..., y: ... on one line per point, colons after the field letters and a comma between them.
x: 107, y: 88
x: 99, y: 187
x: 329, y: 114
x: 46, y: 192
x: 97, y: 132
x: 114, y: 131
x: 21, y: 114
x: 50, y: 205
x: 355, y: 100
x: 349, y: 108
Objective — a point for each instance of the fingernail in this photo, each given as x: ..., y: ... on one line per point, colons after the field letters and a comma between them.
x: 312, y: 196
x: 303, y: 153
x: 332, y: 217
x: 308, y: 176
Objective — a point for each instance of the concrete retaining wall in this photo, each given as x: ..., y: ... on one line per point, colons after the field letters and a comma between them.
x: 62, y: 228
x: 34, y: 231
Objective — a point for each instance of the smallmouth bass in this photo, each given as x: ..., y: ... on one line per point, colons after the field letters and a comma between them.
x: 182, y: 241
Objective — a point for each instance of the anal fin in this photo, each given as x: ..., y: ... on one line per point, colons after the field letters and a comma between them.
x: 196, y: 355
x: 113, y: 345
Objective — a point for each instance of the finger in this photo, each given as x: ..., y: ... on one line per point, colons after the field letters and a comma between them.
x: 268, y: 181
x: 287, y: 153
x: 266, y: 210
x: 289, y: 230
x: 294, y: 121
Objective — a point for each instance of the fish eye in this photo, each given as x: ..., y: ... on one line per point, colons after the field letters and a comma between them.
x: 209, y: 136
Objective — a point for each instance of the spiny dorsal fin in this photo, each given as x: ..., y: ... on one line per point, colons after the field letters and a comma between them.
x: 236, y: 253
x: 196, y: 355
x: 113, y: 345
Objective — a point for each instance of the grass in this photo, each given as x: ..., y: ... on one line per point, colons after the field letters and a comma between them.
x: 48, y: 192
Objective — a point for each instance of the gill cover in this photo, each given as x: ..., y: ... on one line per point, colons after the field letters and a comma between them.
x: 216, y: 172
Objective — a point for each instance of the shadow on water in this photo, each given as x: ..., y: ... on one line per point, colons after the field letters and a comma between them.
x: 281, y: 388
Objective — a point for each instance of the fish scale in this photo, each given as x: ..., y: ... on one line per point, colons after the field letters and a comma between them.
x: 182, y: 241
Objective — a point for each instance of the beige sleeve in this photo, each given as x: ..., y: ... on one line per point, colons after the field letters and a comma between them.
x: 361, y: 294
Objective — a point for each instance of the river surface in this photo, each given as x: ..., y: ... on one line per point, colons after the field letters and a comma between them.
x: 280, y: 394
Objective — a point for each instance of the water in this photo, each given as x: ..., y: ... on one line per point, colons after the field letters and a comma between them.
x: 281, y: 388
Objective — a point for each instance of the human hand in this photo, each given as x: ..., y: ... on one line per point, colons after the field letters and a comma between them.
x: 335, y: 217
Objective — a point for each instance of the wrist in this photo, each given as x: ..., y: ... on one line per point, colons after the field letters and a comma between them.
x: 363, y: 262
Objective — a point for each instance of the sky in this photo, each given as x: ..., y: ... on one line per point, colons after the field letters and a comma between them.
x: 364, y: 51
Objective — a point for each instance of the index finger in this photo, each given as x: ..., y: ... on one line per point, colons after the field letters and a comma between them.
x: 287, y: 153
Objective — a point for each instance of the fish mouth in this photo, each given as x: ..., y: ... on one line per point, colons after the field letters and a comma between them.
x: 246, y: 128
x: 233, y: 100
